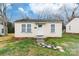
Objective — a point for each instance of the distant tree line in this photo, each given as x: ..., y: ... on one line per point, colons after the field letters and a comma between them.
x: 10, y: 27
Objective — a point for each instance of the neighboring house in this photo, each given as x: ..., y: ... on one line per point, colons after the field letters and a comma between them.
x: 2, y: 28
x: 73, y: 26
x: 35, y: 28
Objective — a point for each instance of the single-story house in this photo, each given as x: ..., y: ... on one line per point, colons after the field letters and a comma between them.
x: 38, y: 27
x: 73, y: 26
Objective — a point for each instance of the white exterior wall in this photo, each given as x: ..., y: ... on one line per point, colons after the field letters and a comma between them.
x: 1, y: 27
x: 18, y: 29
x: 46, y: 30
x: 58, y: 30
x: 74, y: 24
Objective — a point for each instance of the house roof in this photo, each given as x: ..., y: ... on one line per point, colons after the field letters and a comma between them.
x: 72, y: 21
x: 37, y: 20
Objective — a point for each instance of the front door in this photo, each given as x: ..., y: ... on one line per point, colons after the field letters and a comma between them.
x: 40, y: 29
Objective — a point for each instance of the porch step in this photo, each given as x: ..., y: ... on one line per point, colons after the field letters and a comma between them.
x: 39, y: 36
x: 40, y: 40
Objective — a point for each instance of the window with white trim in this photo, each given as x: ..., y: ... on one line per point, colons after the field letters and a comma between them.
x: 69, y: 27
x: 52, y: 28
x: 2, y: 30
x: 29, y: 28
x: 23, y: 27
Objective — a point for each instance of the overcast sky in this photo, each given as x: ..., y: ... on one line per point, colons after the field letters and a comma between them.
x: 17, y: 11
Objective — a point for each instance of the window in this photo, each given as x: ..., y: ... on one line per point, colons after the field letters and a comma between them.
x: 69, y: 27
x: 2, y: 30
x: 52, y: 27
x: 23, y: 27
x: 28, y: 28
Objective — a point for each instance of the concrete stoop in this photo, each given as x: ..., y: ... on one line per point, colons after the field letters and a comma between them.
x: 40, y: 40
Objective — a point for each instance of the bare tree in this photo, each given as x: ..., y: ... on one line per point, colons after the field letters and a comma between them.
x: 73, y: 14
x: 3, y: 15
x: 43, y: 14
x: 49, y: 15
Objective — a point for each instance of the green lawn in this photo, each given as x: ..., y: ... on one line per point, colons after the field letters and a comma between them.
x: 28, y: 47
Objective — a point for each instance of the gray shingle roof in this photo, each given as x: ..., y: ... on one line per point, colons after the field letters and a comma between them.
x: 37, y: 20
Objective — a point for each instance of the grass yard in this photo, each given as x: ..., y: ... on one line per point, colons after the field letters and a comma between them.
x: 28, y: 47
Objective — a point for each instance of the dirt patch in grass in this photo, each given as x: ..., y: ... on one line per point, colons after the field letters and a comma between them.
x: 7, y: 37
x: 2, y: 44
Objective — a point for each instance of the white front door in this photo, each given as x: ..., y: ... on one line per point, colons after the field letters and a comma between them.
x: 40, y: 29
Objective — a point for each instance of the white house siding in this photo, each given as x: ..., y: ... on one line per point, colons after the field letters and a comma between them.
x: 18, y: 32
x: 46, y: 30
x: 1, y: 27
x: 73, y: 25
x: 58, y: 30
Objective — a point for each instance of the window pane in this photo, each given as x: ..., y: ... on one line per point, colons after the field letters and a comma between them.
x: 52, y: 27
x: 2, y: 30
x: 28, y: 27
x: 23, y: 27
x: 69, y: 27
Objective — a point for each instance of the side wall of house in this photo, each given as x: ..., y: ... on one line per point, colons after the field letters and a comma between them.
x: 73, y: 26
x: 1, y: 27
x: 46, y: 29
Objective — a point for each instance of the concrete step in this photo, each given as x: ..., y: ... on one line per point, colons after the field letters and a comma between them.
x: 39, y: 36
x: 40, y: 40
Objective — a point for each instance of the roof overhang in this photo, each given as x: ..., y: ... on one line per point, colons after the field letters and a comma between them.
x: 37, y: 20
